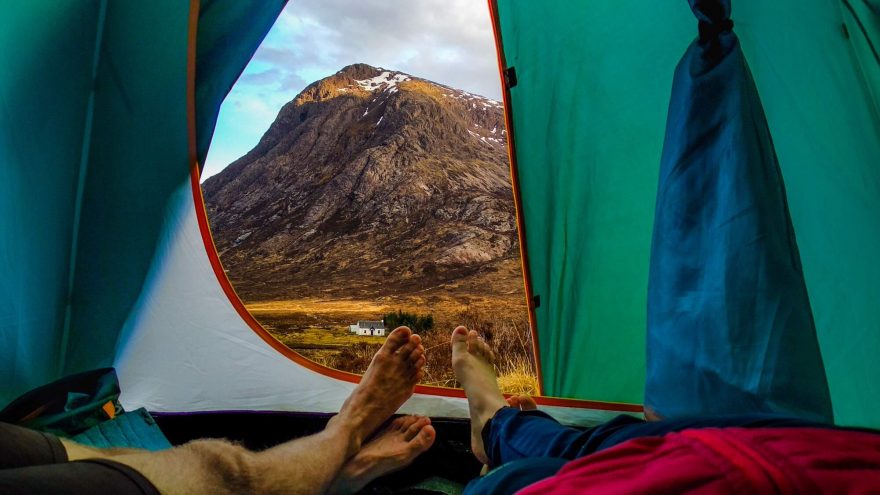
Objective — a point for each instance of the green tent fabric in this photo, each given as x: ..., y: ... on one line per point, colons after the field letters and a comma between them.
x: 139, y: 88
x: 93, y: 142
x: 35, y: 262
x: 229, y: 33
x: 589, y: 109
x: 588, y: 117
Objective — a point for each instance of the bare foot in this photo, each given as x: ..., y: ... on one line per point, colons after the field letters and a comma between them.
x: 393, y: 448
x: 472, y: 363
x: 388, y: 382
x: 522, y: 402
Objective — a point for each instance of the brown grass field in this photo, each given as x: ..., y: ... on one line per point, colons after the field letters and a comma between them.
x: 318, y: 329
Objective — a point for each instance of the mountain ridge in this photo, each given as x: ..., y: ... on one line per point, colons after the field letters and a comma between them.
x: 370, y: 181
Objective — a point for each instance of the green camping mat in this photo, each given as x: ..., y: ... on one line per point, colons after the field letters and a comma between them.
x: 135, y: 429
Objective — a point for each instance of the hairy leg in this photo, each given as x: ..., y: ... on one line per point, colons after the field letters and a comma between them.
x: 302, y: 466
x: 76, y: 452
x: 393, y: 448
x: 472, y: 363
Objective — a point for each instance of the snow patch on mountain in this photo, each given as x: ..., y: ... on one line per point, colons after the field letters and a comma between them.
x: 387, y: 79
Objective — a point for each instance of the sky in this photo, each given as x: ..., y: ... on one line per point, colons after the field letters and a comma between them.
x: 446, y: 41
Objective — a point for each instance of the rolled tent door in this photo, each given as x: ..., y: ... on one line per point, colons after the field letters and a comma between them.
x: 730, y: 328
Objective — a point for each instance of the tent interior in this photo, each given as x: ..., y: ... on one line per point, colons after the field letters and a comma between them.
x: 107, y: 260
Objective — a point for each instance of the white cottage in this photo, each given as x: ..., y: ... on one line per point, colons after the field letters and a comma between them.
x: 366, y: 327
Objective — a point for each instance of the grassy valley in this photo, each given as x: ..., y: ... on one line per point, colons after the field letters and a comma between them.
x: 317, y: 328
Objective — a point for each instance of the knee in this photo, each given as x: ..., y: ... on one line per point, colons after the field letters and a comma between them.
x: 227, y: 467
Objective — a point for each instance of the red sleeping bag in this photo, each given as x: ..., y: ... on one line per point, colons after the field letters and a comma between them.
x: 728, y: 460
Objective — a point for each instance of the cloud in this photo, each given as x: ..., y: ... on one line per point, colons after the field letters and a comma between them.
x: 266, y: 77
x: 446, y: 41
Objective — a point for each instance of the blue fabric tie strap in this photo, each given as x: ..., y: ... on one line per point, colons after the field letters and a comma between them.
x: 730, y: 329
x: 710, y: 31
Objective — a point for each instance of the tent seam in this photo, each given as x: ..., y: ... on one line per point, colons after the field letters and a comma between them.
x: 80, y: 188
x: 862, y: 28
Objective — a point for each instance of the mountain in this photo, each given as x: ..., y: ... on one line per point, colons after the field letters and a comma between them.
x: 370, y: 182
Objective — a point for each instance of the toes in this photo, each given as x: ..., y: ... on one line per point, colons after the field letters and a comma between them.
x: 406, y: 351
x: 426, y: 437
x: 651, y: 415
x: 397, y: 339
x: 522, y: 402
x: 477, y: 346
x: 400, y: 423
x: 417, y: 352
x: 416, y: 370
x: 416, y: 355
x: 459, y: 336
x: 415, y: 427
x: 415, y: 359
x: 473, y: 341
x: 405, y: 422
x: 419, y: 364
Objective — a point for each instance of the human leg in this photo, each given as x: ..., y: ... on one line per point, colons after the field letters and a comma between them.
x: 393, y: 448
x: 76, y: 452
x: 502, y: 434
x: 304, y: 465
x: 515, y: 434
x: 86, y: 477
x: 37, y: 462
x: 472, y: 363
x: 21, y: 447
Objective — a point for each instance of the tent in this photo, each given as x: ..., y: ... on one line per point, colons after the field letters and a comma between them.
x: 106, y: 256
x: 589, y: 109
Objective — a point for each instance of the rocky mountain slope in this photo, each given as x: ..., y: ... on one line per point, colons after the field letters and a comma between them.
x: 370, y: 182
